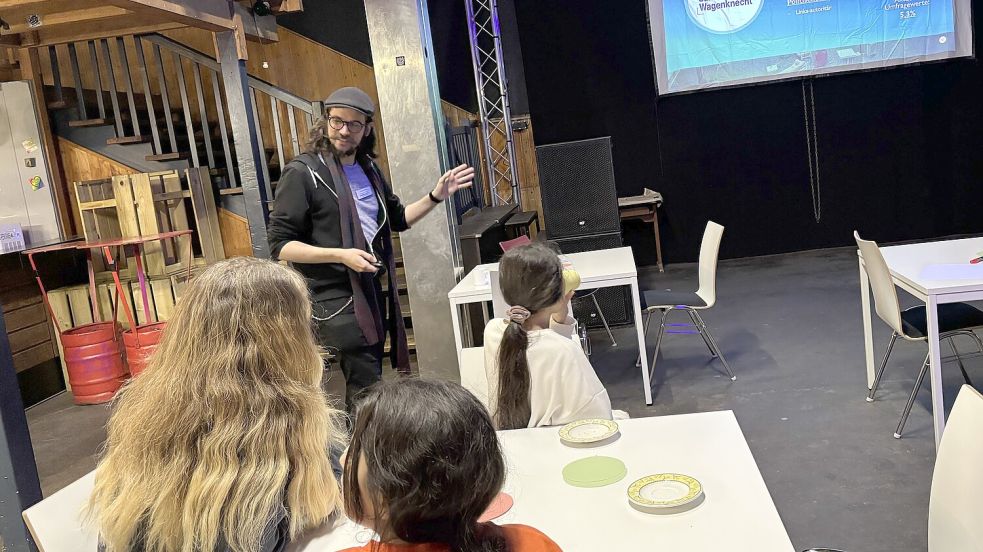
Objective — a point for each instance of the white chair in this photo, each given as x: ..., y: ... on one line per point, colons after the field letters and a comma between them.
x: 692, y: 302
x: 910, y: 324
x: 956, y: 501
x: 473, y: 376
x: 56, y: 522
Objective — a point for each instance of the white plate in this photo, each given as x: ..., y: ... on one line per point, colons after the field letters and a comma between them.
x: 665, y: 493
x: 589, y: 432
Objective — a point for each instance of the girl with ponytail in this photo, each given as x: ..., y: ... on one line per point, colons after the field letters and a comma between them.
x: 538, y: 375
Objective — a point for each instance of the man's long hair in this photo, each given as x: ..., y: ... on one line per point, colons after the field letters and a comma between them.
x: 318, y: 141
x: 227, y: 425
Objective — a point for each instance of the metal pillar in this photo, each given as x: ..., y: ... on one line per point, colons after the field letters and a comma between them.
x: 493, y: 100
x: 19, y: 485
x: 409, y: 104
x: 249, y: 156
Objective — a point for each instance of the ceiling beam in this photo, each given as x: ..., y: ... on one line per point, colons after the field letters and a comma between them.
x: 108, y: 28
x: 7, y: 4
x: 69, y: 17
x: 212, y: 15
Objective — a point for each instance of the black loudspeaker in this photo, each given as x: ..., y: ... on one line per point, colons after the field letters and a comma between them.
x: 615, y: 302
x: 577, y: 187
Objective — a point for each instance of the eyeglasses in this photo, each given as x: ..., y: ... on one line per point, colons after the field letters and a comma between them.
x: 338, y: 124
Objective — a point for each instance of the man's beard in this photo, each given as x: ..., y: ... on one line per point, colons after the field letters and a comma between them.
x: 341, y: 153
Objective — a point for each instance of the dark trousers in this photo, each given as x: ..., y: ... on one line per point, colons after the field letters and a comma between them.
x: 338, y: 331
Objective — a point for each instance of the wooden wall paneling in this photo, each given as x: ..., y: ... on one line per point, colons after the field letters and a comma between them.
x: 78, y: 301
x: 163, y: 298
x: 235, y: 234
x: 58, y: 299
x: 137, y: 304
x: 80, y: 164
x: 528, y: 167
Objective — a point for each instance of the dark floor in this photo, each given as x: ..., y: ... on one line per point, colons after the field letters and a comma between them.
x: 790, y: 326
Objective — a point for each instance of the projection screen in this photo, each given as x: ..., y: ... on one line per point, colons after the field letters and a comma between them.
x: 700, y: 44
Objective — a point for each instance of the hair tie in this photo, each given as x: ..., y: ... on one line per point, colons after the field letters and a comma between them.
x: 517, y: 314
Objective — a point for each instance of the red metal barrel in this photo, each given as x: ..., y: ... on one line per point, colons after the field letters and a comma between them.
x: 141, y: 344
x: 94, y: 360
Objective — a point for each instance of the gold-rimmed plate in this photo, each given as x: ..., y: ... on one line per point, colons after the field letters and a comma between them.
x: 665, y: 493
x: 591, y: 432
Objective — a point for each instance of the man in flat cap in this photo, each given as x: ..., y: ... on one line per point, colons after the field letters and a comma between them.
x: 333, y: 220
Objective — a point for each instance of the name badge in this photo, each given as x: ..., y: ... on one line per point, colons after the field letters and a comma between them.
x: 364, y: 193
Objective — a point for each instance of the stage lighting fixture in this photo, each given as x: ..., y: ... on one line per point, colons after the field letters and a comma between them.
x: 262, y: 8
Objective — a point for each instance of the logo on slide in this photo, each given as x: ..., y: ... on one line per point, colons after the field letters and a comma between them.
x: 723, y: 16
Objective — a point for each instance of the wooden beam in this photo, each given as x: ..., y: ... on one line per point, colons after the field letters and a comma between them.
x: 107, y: 28
x: 73, y: 17
x: 7, y: 4
x: 212, y: 15
x: 257, y: 29
x: 288, y: 6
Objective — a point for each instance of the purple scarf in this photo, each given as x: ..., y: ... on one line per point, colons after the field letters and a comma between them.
x: 368, y: 307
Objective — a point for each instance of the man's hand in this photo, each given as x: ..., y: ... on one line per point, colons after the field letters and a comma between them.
x: 453, y: 180
x: 357, y: 260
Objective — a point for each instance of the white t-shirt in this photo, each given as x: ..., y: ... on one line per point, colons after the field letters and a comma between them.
x: 563, y: 386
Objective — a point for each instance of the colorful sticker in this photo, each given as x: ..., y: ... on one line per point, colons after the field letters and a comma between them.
x: 29, y: 146
x: 36, y: 183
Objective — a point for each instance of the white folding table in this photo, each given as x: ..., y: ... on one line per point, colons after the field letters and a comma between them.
x: 936, y: 273
x: 737, y: 515
x: 597, y: 269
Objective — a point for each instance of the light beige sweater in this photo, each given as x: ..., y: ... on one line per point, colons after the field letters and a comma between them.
x: 563, y: 386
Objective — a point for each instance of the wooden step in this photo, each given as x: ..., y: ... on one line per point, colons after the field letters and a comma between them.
x: 169, y: 156
x: 89, y: 122
x: 141, y: 139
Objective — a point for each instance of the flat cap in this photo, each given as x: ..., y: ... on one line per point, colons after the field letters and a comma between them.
x: 352, y: 98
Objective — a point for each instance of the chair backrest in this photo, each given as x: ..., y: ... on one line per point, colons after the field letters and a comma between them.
x: 56, y: 522
x: 509, y: 244
x: 709, y: 249
x: 499, y: 306
x: 885, y: 295
x: 473, y: 375
x: 956, y: 502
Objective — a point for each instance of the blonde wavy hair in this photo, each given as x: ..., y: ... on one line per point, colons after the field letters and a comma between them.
x: 227, y: 425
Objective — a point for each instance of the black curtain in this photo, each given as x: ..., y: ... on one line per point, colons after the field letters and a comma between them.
x: 899, y: 149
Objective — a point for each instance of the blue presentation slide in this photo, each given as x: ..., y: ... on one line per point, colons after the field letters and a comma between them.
x: 707, y: 43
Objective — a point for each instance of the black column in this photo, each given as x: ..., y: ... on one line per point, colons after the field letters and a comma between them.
x: 19, y: 485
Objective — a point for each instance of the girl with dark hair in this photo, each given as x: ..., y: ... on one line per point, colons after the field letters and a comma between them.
x: 538, y: 375
x: 423, y: 465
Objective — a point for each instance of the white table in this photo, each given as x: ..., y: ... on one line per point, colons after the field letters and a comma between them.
x: 597, y: 269
x: 738, y: 513
x: 920, y: 270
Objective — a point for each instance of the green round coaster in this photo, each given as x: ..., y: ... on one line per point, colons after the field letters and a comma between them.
x: 595, y: 471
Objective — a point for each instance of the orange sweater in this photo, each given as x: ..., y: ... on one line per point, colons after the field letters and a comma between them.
x: 521, y: 538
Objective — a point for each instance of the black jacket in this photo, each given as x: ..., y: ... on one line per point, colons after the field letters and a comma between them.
x: 307, y: 211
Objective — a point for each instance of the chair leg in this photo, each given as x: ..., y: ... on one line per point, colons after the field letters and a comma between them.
x: 959, y: 361
x: 604, y: 320
x: 880, y: 370
x: 911, y: 399
x: 713, y: 343
x: 703, y: 335
x: 658, y: 341
x: 645, y: 335
x: 979, y: 345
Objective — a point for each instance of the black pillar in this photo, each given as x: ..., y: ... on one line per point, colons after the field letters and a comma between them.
x: 19, y: 485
